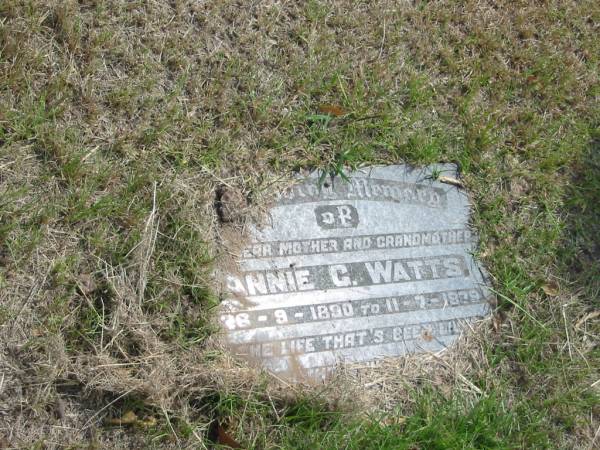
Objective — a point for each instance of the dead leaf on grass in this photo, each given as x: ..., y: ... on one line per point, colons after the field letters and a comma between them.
x: 129, y: 418
x: 332, y: 110
x: 225, y: 439
x: 393, y: 420
x: 147, y: 422
x: 551, y: 288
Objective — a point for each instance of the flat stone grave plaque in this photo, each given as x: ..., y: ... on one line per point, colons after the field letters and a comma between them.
x: 355, y: 271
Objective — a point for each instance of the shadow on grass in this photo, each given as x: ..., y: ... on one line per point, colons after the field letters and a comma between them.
x: 579, y: 257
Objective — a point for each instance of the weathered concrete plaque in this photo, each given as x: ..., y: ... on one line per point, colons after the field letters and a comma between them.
x: 379, y: 266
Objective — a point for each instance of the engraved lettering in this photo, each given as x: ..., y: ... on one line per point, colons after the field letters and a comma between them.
x: 304, y: 283
x: 380, y: 273
x: 452, y: 266
x: 338, y: 275
x: 256, y: 284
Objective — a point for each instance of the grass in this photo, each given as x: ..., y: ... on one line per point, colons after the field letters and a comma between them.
x: 120, y: 118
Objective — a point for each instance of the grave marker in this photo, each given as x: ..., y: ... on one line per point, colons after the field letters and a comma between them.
x: 376, y: 267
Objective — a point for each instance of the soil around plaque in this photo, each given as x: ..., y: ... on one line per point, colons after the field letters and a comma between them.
x: 354, y: 272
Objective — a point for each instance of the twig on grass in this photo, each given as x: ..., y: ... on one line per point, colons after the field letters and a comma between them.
x: 146, y: 249
x: 170, y: 425
x: 592, y: 445
x: 567, y: 332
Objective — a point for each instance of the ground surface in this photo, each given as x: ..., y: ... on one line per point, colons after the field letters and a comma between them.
x: 119, y: 119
